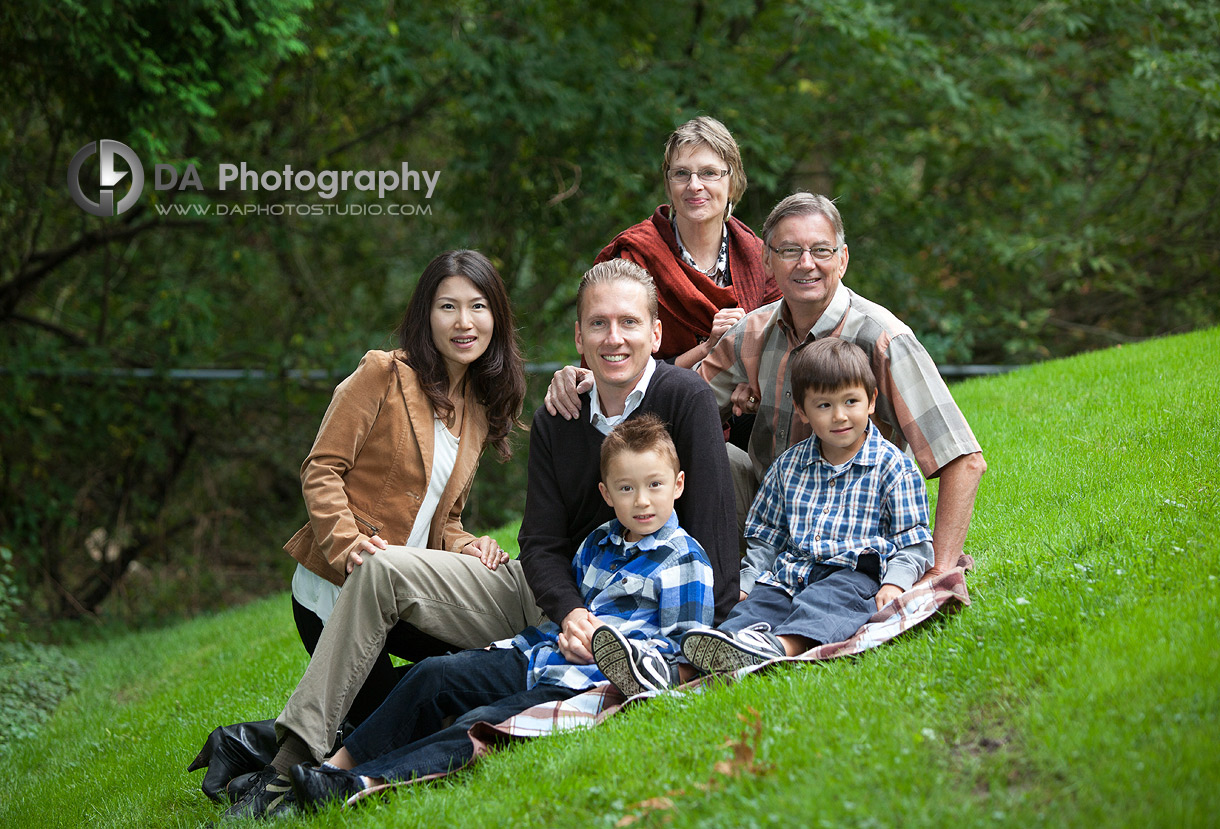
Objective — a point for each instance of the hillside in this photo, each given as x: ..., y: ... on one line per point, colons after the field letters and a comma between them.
x: 1080, y: 689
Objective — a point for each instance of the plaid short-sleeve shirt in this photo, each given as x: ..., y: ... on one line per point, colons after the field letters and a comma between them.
x: 914, y: 406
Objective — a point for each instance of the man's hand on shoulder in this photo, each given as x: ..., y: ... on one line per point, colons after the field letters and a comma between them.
x: 577, y: 635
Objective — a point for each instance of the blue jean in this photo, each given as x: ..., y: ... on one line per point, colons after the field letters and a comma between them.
x: 407, y: 737
x: 830, y: 607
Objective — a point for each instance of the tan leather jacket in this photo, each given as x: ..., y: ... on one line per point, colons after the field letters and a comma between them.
x: 369, y: 467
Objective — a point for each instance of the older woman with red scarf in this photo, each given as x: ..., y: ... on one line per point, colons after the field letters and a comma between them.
x: 707, y: 265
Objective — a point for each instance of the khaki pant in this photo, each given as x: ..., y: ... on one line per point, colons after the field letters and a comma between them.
x: 450, y: 596
x: 745, y: 487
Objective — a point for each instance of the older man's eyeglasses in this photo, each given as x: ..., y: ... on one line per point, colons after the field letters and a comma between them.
x: 791, y: 253
x: 681, y: 176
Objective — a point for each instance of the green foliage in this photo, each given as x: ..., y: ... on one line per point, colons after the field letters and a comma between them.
x: 146, y: 66
x: 1018, y: 181
x: 10, y: 600
x: 1078, y: 689
x: 33, y: 680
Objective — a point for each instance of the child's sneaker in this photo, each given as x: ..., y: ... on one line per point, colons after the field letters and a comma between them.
x: 631, y: 668
x: 714, y: 651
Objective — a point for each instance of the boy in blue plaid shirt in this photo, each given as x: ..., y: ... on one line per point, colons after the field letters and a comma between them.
x: 838, y: 529
x: 641, y: 575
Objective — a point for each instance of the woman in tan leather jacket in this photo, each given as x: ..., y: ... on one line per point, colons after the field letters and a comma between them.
x: 397, y: 450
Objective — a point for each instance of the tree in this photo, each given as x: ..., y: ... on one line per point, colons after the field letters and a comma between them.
x: 1018, y: 181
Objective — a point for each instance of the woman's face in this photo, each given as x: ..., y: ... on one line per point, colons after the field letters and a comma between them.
x: 462, y: 323
x: 699, y: 201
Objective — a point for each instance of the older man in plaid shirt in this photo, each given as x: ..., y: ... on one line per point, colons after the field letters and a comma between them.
x: 805, y: 249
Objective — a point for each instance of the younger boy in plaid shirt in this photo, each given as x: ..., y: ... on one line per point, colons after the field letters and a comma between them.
x: 640, y: 574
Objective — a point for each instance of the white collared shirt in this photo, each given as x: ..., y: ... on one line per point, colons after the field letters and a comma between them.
x: 604, y: 424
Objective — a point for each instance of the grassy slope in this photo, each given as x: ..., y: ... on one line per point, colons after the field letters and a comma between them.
x: 1080, y: 689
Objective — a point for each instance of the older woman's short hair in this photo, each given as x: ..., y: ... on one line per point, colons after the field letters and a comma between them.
x: 802, y: 203
x: 708, y: 132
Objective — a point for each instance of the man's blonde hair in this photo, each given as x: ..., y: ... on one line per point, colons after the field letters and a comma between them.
x: 617, y: 270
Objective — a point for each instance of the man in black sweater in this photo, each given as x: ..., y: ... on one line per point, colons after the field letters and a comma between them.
x: 617, y: 332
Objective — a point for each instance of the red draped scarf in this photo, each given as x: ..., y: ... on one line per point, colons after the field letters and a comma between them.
x: 688, y: 298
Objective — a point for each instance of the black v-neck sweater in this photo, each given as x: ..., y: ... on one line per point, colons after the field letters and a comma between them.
x: 563, y: 504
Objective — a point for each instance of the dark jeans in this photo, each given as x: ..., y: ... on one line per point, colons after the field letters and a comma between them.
x: 833, y: 604
x: 407, y: 736
x: 740, y: 428
x: 404, y: 641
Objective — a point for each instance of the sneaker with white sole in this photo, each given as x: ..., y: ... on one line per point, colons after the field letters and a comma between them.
x: 269, y: 795
x: 631, y: 668
x: 315, y: 786
x: 714, y: 651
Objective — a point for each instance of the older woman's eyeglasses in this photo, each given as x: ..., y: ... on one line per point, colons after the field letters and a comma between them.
x: 681, y: 176
x: 791, y: 253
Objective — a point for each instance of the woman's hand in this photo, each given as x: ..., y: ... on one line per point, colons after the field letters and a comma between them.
x: 744, y: 399
x: 367, y: 546
x: 486, y: 550
x: 563, y: 395
x: 722, y: 322
x: 725, y: 319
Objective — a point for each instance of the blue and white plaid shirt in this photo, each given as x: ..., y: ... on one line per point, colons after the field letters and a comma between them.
x: 809, y: 512
x: 653, y: 590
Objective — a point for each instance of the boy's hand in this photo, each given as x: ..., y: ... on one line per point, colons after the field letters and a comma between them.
x: 887, y: 594
x: 574, y: 641
x: 487, y: 551
x: 368, y: 547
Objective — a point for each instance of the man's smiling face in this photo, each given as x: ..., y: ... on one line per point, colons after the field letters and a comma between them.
x: 807, y: 284
x: 616, y: 335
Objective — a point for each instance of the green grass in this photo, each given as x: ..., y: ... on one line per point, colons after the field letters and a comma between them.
x: 1080, y: 689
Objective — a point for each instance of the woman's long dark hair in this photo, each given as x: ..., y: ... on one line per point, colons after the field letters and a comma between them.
x: 498, y: 375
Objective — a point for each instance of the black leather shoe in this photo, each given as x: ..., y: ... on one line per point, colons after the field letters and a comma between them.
x: 270, y: 795
x: 233, y: 750
x: 315, y: 786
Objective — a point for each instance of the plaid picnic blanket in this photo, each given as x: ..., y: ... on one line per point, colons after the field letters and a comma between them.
x: 943, y: 594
